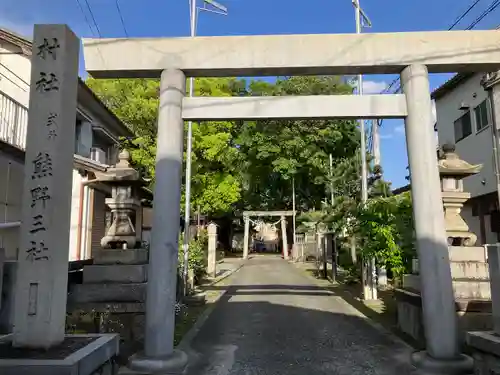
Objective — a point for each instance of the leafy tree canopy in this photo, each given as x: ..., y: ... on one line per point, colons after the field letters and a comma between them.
x: 251, y: 164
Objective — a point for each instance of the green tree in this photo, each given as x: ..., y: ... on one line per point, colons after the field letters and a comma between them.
x: 278, y: 150
x: 385, y: 226
x: 215, y: 185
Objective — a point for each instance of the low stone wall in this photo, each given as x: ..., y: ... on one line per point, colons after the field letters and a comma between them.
x: 486, y: 352
x: 126, y: 319
x: 471, y: 315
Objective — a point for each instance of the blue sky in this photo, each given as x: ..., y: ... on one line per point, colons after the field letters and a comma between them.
x: 171, y: 18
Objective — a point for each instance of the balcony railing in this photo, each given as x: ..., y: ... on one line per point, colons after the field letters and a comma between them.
x: 13, y: 121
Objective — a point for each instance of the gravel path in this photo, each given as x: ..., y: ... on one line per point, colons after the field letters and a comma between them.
x: 274, y: 321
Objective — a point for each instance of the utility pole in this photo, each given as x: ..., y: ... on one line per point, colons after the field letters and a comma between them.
x: 293, y: 204
x: 332, y: 198
x: 369, y: 271
x: 489, y: 81
x: 360, y: 16
x: 218, y: 9
x: 376, y: 142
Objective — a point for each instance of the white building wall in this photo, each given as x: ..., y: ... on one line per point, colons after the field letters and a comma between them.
x: 11, y: 174
x: 477, y: 147
x: 75, y: 211
x: 15, y: 69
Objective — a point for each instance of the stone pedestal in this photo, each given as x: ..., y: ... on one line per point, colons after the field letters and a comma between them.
x: 113, y: 293
x: 470, y: 279
x: 93, y: 355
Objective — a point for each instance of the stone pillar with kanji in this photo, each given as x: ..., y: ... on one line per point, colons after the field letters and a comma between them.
x: 42, y: 273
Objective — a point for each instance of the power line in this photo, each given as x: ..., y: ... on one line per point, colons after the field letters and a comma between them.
x: 121, y: 17
x: 460, y: 18
x: 85, y: 16
x: 93, y: 18
x: 490, y: 9
x: 457, y: 21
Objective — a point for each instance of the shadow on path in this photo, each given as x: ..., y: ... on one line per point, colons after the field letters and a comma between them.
x: 277, y: 323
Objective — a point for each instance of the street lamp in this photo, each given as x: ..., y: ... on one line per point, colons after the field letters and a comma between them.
x: 212, y: 7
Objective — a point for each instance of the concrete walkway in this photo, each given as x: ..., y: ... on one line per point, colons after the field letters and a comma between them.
x: 274, y: 321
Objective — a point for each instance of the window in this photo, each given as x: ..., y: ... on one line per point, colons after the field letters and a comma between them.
x: 482, y: 114
x: 463, y: 126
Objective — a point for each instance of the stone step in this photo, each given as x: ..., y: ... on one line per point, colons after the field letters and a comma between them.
x: 120, y: 256
x: 464, y: 288
x: 469, y: 270
x: 111, y: 292
x: 472, y: 289
x: 115, y: 273
x: 463, y: 253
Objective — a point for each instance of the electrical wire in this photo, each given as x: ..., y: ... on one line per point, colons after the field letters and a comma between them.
x: 85, y: 17
x: 462, y: 16
x: 485, y: 13
x: 121, y: 17
x: 93, y: 18
x: 491, y: 8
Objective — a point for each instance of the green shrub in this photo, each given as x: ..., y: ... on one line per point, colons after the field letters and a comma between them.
x: 197, y: 254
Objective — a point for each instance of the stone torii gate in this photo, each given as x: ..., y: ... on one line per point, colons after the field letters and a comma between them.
x: 411, y: 54
x: 281, y: 214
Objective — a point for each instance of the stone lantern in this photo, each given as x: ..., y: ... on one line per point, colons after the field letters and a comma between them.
x: 452, y: 171
x: 125, y: 207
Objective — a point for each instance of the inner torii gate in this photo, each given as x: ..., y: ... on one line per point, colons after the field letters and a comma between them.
x: 281, y: 214
x: 411, y: 54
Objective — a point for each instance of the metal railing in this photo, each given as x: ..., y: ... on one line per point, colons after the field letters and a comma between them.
x: 13, y: 121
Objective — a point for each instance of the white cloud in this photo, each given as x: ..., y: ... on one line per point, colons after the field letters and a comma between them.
x: 373, y: 87
x: 400, y: 129
x: 393, y: 132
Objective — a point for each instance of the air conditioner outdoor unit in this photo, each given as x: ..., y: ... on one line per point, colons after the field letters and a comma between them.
x: 98, y: 155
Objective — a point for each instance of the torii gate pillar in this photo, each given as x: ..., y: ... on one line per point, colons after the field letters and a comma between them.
x: 285, y: 239
x: 159, y: 355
